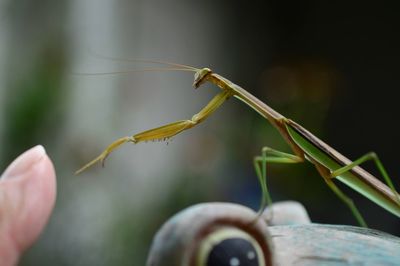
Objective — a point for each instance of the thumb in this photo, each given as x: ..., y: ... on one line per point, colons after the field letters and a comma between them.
x: 27, y: 196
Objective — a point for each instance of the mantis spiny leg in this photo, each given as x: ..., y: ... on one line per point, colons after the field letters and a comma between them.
x: 269, y: 155
x: 163, y: 132
x: 325, y: 173
x: 367, y: 157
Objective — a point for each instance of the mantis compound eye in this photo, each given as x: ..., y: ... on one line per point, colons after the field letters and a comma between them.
x: 230, y: 247
x: 200, y: 76
x: 213, y: 234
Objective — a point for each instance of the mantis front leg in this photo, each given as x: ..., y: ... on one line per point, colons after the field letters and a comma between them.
x: 163, y: 132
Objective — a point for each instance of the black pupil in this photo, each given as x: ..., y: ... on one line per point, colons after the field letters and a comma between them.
x: 233, y: 252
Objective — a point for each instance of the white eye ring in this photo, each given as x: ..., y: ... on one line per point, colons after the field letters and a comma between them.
x: 220, y: 234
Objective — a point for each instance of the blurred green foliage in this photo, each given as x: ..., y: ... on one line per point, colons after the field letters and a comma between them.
x: 34, y: 108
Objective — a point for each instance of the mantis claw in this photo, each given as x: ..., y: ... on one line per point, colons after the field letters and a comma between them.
x: 103, y: 156
x: 103, y: 161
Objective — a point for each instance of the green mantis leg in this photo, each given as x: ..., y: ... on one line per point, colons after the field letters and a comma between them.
x: 325, y: 173
x: 269, y: 155
x: 163, y: 132
x: 367, y: 157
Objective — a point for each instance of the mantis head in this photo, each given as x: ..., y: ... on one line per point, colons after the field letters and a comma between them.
x: 201, y: 76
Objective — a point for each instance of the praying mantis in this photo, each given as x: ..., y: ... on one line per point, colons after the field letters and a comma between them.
x: 329, y: 163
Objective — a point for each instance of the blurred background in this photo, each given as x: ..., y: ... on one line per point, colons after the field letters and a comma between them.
x: 332, y: 67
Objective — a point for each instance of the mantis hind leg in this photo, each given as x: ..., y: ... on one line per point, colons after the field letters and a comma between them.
x: 269, y: 155
x: 325, y: 173
x: 368, y: 157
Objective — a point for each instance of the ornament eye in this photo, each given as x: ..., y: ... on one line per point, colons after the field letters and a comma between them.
x: 213, y: 234
x: 229, y: 247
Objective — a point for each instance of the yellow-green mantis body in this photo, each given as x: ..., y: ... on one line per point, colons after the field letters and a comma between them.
x: 305, y: 146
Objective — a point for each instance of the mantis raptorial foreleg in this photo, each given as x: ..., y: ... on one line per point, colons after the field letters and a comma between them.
x: 163, y: 132
x: 324, y: 172
x: 368, y: 157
